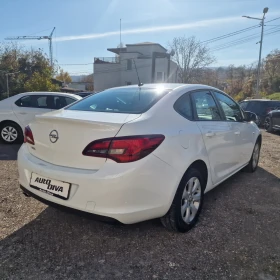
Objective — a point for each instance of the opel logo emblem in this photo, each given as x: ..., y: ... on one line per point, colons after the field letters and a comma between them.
x: 53, y: 136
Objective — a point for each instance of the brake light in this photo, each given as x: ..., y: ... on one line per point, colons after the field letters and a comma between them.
x: 124, y: 149
x: 28, y: 136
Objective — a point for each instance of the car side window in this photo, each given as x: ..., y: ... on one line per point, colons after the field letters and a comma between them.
x: 42, y: 101
x: 231, y: 109
x: 33, y: 101
x: 61, y: 102
x: 183, y: 106
x: 205, y: 106
x: 69, y: 100
x: 24, y: 101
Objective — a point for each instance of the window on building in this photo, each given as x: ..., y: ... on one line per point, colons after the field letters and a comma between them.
x: 129, y: 64
x: 160, y: 76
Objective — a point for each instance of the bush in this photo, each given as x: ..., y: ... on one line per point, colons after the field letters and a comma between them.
x: 275, y: 96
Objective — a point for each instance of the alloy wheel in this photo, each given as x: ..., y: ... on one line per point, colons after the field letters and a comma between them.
x: 191, y: 199
x: 9, y: 133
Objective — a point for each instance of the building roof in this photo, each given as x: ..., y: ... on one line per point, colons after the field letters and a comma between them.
x: 124, y: 49
x: 117, y: 50
x: 146, y: 43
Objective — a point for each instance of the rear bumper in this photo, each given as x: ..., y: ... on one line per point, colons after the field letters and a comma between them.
x: 129, y: 193
x: 72, y: 210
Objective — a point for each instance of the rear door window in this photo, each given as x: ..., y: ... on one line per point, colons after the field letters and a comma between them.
x: 33, y: 101
x: 121, y: 100
x: 205, y: 106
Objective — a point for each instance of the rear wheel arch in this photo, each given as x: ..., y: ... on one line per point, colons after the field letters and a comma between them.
x: 173, y: 219
x: 201, y: 166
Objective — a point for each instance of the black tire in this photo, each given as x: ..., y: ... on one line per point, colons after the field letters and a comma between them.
x: 268, y: 124
x: 17, y: 136
x: 258, y: 121
x: 251, y: 166
x: 173, y: 219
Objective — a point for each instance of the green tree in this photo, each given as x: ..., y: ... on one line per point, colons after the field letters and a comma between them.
x: 14, y: 58
x: 64, y: 76
x: 40, y: 82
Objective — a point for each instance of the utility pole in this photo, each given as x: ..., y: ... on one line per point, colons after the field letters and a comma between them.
x: 265, y: 10
x: 7, y: 80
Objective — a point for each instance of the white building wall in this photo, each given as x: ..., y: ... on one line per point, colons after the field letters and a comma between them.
x: 106, y: 75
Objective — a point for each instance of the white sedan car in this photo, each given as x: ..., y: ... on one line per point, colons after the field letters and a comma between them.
x: 137, y: 153
x: 18, y: 111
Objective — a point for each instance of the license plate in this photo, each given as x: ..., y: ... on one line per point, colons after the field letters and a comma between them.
x: 50, y: 186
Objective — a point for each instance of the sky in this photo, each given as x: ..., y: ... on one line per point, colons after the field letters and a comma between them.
x: 86, y: 28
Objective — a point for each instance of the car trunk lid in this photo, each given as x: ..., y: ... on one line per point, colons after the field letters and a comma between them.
x: 61, y: 136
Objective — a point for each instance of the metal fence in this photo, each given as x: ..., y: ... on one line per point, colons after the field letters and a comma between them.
x: 107, y: 59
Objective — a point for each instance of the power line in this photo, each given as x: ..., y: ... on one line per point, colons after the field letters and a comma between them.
x: 272, y: 19
x: 231, y: 44
x: 230, y: 34
x: 235, y: 32
x: 252, y: 36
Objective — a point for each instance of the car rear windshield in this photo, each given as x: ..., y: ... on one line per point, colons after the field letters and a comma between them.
x: 121, y: 100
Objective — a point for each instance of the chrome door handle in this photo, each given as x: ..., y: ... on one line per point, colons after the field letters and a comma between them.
x: 237, y: 132
x: 209, y: 134
x: 22, y: 113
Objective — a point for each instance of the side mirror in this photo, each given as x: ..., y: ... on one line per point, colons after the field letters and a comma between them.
x: 251, y: 117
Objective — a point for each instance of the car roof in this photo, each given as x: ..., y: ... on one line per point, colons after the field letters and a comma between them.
x: 170, y: 86
x: 48, y: 93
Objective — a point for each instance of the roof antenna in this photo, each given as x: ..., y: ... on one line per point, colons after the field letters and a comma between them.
x: 139, y: 83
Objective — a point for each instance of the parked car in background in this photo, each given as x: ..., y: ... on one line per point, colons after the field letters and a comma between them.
x: 18, y: 111
x: 272, y: 121
x: 261, y: 107
x: 136, y: 153
x: 84, y: 94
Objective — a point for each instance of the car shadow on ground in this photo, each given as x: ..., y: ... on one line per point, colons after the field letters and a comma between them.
x: 59, y: 245
x: 9, y: 151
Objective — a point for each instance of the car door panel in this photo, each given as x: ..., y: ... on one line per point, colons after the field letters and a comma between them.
x: 243, y: 132
x: 219, y: 141
x: 217, y: 136
x: 27, y: 107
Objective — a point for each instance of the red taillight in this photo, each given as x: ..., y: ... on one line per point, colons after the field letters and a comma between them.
x: 28, y: 136
x: 124, y: 149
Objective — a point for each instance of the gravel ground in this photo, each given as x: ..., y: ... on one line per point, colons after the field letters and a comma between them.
x: 237, y: 237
